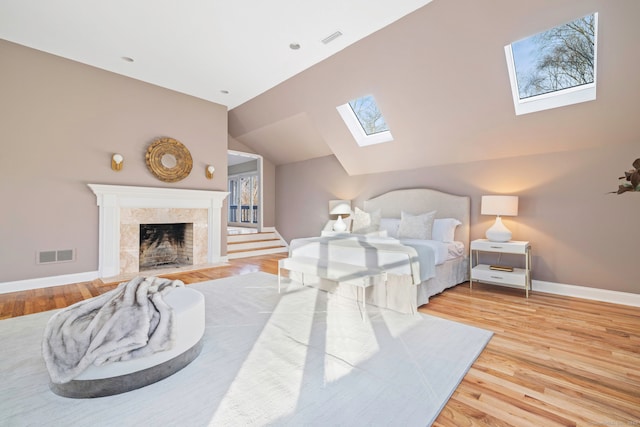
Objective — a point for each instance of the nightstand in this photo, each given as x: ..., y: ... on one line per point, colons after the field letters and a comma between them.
x: 518, y: 277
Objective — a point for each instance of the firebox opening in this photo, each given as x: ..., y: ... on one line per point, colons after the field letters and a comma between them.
x: 165, y: 245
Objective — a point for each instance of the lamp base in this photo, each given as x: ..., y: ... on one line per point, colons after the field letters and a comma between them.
x: 339, y: 225
x: 498, y: 232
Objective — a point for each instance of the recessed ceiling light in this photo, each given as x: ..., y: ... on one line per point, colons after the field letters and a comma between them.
x: 294, y: 46
x: 127, y: 59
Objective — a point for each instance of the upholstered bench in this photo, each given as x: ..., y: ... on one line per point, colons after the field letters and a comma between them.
x: 359, y: 276
x: 119, y: 377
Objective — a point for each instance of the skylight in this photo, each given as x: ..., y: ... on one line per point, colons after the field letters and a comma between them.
x: 365, y: 121
x: 554, y: 68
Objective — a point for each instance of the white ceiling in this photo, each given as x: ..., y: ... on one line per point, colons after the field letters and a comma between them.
x: 198, y: 47
x: 238, y: 159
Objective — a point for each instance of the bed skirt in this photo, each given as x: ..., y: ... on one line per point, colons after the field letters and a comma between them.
x: 398, y: 293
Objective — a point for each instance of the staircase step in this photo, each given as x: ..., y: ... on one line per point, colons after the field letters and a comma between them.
x: 235, y: 238
x: 256, y: 252
x: 253, y: 244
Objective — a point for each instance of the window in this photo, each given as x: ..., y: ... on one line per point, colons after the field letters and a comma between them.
x: 365, y: 121
x: 554, y: 68
x: 243, y: 198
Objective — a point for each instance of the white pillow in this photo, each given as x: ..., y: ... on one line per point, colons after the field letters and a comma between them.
x: 391, y: 226
x: 416, y: 226
x: 365, y: 222
x: 444, y: 229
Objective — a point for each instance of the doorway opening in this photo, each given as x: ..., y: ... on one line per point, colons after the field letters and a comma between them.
x: 245, y: 192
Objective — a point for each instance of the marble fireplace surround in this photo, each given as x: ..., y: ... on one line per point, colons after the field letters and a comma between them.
x: 123, y: 208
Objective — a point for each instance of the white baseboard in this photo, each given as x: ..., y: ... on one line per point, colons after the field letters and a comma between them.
x: 47, y: 282
x: 604, y: 295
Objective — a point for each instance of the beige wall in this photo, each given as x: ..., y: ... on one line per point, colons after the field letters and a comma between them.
x: 61, y: 121
x: 268, y: 193
x: 580, y: 234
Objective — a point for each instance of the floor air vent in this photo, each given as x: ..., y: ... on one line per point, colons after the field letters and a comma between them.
x: 63, y: 255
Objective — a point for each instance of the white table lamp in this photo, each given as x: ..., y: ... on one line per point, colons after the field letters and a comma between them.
x: 340, y: 207
x: 499, y: 205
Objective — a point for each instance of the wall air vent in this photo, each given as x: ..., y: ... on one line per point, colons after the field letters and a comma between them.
x: 331, y: 37
x: 48, y: 257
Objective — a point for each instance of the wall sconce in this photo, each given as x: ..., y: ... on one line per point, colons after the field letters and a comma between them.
x: 499, y: 205
x: 209, y: 170
x: 116, y: 162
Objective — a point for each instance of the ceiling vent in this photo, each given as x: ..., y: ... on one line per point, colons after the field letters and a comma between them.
x: 331, y: 37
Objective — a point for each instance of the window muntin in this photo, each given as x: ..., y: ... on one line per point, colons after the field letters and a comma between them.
x: 365, y: 121
x: 554, y: 68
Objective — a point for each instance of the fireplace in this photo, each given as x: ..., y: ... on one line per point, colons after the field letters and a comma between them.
x: 122, y: 210
x: 165, y: 245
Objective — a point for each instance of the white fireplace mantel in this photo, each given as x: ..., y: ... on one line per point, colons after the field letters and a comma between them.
x: 111, y: 198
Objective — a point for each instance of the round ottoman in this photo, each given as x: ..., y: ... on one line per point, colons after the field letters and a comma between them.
x: 119, y: 377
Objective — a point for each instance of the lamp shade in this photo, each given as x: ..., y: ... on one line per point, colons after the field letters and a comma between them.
x: 339, y: 207
x: 499, y: 205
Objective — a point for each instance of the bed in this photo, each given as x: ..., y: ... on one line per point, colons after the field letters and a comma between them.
x: 416, y: 268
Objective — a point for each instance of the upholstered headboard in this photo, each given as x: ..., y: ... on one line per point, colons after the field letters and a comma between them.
x: 420, y: 200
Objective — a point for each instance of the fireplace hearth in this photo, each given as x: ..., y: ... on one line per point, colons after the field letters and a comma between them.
x: 165, y: 245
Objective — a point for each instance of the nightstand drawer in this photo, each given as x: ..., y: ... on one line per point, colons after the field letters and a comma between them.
x: 483, y: 273
x: 505, y: 248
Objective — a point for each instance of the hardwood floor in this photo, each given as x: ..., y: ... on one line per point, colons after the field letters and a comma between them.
x: 553, y: 361
x: 34, y: 301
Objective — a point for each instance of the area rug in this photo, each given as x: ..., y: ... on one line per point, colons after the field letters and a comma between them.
x: 301, y: 357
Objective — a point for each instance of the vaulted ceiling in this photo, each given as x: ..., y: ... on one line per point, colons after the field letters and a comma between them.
x: 224, y: 51
x: 440, y: 78
x: 437, y: 69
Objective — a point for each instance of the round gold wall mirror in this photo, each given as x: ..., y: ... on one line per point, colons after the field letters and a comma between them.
x: 169, y: 160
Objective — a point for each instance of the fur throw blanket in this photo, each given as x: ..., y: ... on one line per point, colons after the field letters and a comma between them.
x: 130, y: 321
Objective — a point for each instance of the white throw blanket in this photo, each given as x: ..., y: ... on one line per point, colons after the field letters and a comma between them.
x: 130, y: 321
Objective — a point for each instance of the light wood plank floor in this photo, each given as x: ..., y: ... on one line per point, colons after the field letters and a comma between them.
x: 553, y: 361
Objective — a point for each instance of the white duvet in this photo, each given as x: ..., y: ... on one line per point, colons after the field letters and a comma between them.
x: 417, y: 258
x: 443, y: 251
